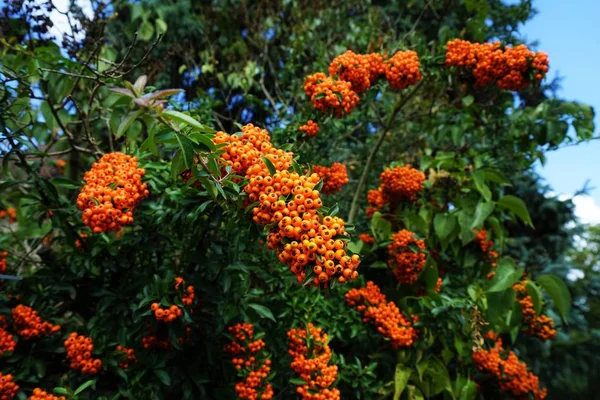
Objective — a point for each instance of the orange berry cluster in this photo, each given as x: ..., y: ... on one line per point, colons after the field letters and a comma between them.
x: 3, y: 262
x: 166, y: 314
x: 406, y: 263
x: 397, y: 184
x: 152, y: 341
x: 289, y: 202
x: 60, y: 165
x: 112, y: 190
x: 403, y: 69
x: 328, y: 94
x: 39, y: 394
x: 351, y: 73
x: 438, y: 285
x: 311, y: 128
x: 334, y: 177
x: 486, y: 247
x: 386, y: 316
x: 248, y: 355
x: 29, y: 325
x: 79, y: 353
x: 510, y: 68
x: 129, y: 357
x: 172, y: 313
x: 510, y: 373
x: 402, y: 182
x: 10, y: 212
x: 78, y: 242
x: 7, y: 341
x: 366, y: 238
x: 542, y: 325
x: 8, y: 388
x: 188, y: 295
x: 312, y: 363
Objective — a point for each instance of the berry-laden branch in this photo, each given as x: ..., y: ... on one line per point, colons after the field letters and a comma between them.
x: 310, y: 360
x: 363, y: 179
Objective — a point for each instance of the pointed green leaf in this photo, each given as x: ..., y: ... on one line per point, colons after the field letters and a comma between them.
x: 558, y: 292
x: 263, y: 311
x: 126, y: 123
x: 517, y: 206
x: 444, y: 224
x: 400, y: 379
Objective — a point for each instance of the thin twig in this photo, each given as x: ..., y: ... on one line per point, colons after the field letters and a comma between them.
x: 382, y: 135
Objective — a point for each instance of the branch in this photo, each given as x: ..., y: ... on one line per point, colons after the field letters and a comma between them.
x: 382, y: 135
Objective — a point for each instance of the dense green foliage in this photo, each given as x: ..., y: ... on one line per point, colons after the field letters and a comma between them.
x: 244, y: 62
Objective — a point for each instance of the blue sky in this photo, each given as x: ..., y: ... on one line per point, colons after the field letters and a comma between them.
x: 569, y: 31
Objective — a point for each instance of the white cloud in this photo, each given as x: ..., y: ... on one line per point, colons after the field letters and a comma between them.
x: 587, y: 210
x: 60, y: 20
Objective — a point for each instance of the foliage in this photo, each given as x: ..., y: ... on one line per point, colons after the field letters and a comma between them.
x: 477, y: 224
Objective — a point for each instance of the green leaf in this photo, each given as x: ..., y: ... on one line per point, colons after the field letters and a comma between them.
x: 422, y: 367
x: 161, y: 26
x: 60, y: 391
x: 263, y: 311
x: 84, y: 386
x: 65, y: 183
x: 517, y: 206
x: 186, y: 119
x: 162, y: 375
x: 536, y: 296
x: 47, y: 114
x: 381, y: 228
x: 298, y: 381
x: 482, y: 211
x: 269, y: 165
x: 146, y: 31
x: 379, y: 264
x: 506, y: 275
x: 126, y: 123
x: 478, y: 179
x: 187, y: 150
x: 296, y: 167
x: 468, y: 391
x: 401, y: 377
x: 558, y: 292
x: 203, y: 139
x: 466, y: 232
x: 444, y: 224
x: 355, y: 246
x: 440, y: 380
x: 468, y: 100
x: 177, y: 165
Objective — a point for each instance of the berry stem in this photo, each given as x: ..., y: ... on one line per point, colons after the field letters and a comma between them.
x: 382, y: 135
